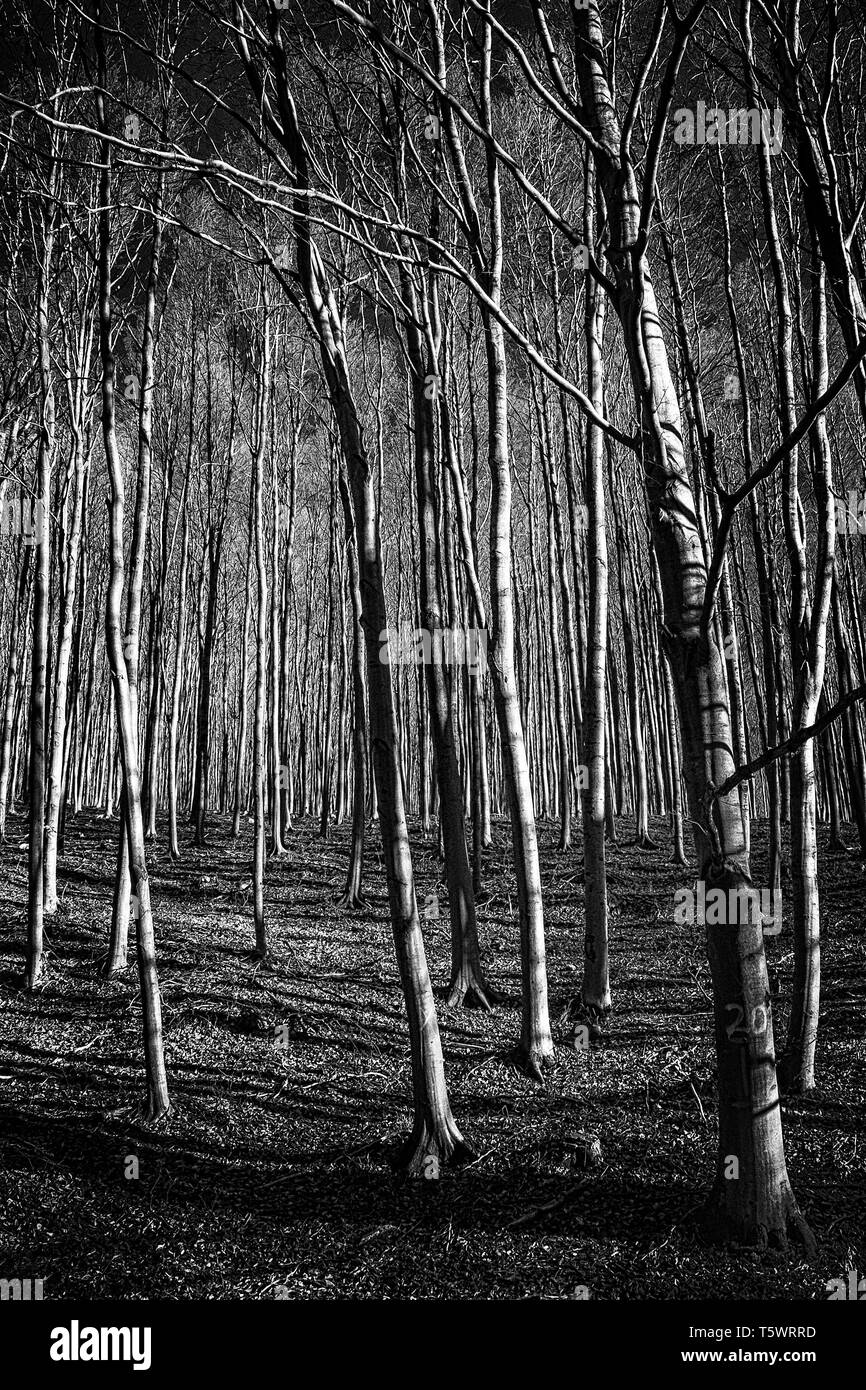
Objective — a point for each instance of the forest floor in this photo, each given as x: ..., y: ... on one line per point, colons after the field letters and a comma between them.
x: 270, y: 1177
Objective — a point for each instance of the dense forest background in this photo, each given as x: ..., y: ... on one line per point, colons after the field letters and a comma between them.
x: 432, y: 648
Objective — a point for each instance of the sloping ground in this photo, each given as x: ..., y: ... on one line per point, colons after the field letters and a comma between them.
x: 271, y: 1178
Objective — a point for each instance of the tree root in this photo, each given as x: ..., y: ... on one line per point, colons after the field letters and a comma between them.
x: 472, y: 992
x: 591, y: 1016
x: 35, y: 981
x: 154, y: 1111
x: 110, y: 969
x: 790, y: 1081
x: 720, y: 1227
x: 427, y: 1150
x: 532, y: 1061
x: 353, y: 902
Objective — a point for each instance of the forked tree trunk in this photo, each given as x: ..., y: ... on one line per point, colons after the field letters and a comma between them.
x: 157, y: 1083
x: 123, y: 905
x: 758, y: 1205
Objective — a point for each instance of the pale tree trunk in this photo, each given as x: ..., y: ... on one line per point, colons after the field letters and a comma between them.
x: 706, y: 443
x: 287, y: 790
x: 574, y: 630
x: 759, y: 1205
x: 852, y: 744
x: 278, y: 849
x: 217, y: 504
x: 352, y: 896
x: 330, y: 623
x: 41, y: 590
x: 481, y: 829
x: 79, y: 364
x: 632, y: 676
x: 177, y: 682
x: 157, y: 1084
x: 123, y: 905
x: 535, y: 1050
x: 798, y: 1064
x: 435, y: 1137
x: 156, y: 704
x: 595, y: 998
x: 259, y: 749
x: 20, y: 613
x: 467, y: 985
x: 807, y: 632
x: 556, y: 584
x: 240, y: 758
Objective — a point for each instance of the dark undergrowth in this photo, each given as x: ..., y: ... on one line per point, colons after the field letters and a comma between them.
x: 271, y: 1176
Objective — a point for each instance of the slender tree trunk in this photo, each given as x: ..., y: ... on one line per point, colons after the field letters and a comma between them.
x: 157, y: 1084
x: 595, y: 998
x: 20, y: 612
x: 41, y: 592
x: 259, y: 749
x: 352, y: 896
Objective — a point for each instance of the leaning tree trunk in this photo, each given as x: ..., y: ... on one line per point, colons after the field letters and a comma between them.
x: 157, y: 1083
x: 123, y: 905
x: 759, y: 1205
x: 435, y: 1137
